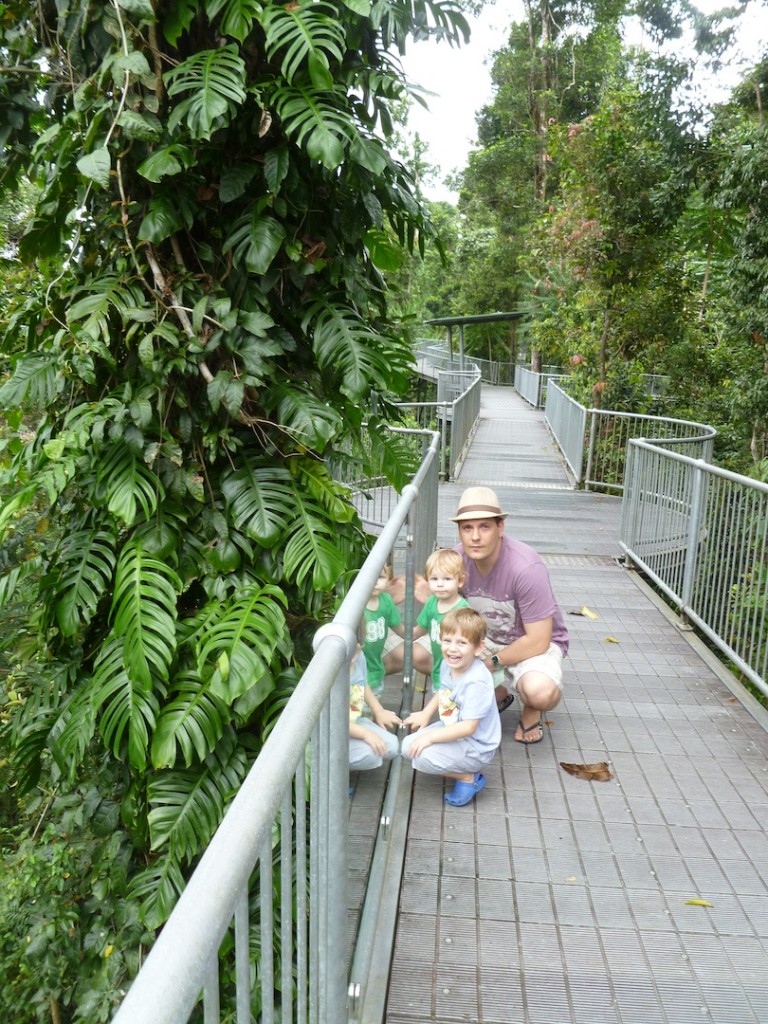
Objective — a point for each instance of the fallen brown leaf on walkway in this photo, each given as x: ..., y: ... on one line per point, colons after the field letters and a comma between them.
x: 598, y: 772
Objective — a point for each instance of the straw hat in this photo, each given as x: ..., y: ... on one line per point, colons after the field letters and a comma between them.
x: 479, y: 503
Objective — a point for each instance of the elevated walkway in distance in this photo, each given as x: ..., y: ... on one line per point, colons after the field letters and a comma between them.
x: 554, y: 900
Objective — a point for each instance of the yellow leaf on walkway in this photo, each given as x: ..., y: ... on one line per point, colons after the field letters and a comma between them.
x: 586, y: 612
x: 611, y: 640
x: 698, y: 903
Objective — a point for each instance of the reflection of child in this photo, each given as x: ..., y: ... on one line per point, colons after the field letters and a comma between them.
x: 380, y: 616
x: 468, y: 733
x: 445, y: 575
x: 370, y: 742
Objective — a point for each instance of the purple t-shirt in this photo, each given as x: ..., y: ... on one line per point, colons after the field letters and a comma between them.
x: 516, y: 590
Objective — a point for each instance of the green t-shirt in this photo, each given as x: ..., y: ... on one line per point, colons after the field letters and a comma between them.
x: 430, y: 619
x: 377, y: 624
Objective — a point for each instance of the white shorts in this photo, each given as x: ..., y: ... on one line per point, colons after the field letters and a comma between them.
x: 550, y: 663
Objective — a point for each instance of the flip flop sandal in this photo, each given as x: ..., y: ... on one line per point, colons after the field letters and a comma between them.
x: 531, y: 728
x: 506, y: 702
x: 464, y: 792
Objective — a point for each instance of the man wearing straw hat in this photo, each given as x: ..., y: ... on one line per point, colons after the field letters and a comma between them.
x: 508, y: 583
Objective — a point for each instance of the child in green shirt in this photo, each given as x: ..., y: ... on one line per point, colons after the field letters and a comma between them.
x: 381, y: 615
x: 445, y: 575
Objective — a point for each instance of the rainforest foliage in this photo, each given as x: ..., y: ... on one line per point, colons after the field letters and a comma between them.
x: 200, y: 207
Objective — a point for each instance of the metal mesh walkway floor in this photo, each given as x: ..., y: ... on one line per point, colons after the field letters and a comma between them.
x: 552, y: 899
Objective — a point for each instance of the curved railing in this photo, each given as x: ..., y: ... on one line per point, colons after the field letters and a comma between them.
x: 598, y: 438
x: 700, y: 534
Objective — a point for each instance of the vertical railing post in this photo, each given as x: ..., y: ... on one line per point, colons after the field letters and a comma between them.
x: 592, y: 413
x: 336, y: 866
x: 409, y: 612
x: 694, y: 535
x: 630, y: 497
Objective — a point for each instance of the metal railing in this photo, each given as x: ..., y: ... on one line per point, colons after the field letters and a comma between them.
x: 455, y: 414
x: 601, y: 436
x: 532, y: 386
x: 567, y: 419
x: 274, y: 876
x: 436, y: 354
x: 699, y: 533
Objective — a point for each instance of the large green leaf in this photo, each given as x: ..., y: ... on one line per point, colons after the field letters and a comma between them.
x: 305, y: 33
x: 312, y: 549
x: 260, y: 499
x: 194, y: 721
x: 36, y: 380
x: 342, y: 341
x: 11, y: 580
x: 238, y: 17
x: 85, y: 561
x: 310, y: 421
x: 168, y: 160
x: 256, y: 240
x: 125, y: 484
x: 213, y: 83
x: 75, y: 727
x: 158, y: 887
x: 238, y: 640
x: 187, y: 806
x: 96, y: 166
x: 144, y: 614
x: 317, y: 120
x: 313, y: 478
x: 127, y: 711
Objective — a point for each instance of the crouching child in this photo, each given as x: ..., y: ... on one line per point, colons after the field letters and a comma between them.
x: 371, y: 743
x: 468, y: 731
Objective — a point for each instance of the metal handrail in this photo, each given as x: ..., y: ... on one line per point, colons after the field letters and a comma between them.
x: 700, y: 533
x: 457, y: 416
x: 601, y: 437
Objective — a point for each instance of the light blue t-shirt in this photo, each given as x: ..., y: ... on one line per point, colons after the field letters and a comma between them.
x: 471, y: 695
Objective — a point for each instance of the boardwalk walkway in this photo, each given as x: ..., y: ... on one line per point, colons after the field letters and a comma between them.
x: 553, y: 900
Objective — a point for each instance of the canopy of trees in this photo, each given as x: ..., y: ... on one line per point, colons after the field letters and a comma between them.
x: 622, y: 214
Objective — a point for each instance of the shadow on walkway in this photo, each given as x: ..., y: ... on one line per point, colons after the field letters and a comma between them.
x: 551, y: 899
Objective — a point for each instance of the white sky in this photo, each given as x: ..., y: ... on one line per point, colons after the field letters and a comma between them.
x: 460, y: 77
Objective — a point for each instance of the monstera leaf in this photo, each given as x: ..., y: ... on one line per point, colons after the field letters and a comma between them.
x: 344, y: 341
x: 144, y: 614
x: 127, y: 711
x: 317, y: 120
x: 125, y: 484
x: 192, y: 722
x: 238, y: 640
x: 305, y: 33
x: 36, y: 380
x: 85, y: 560
x: 260, y: 499
x: 213, y: 84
